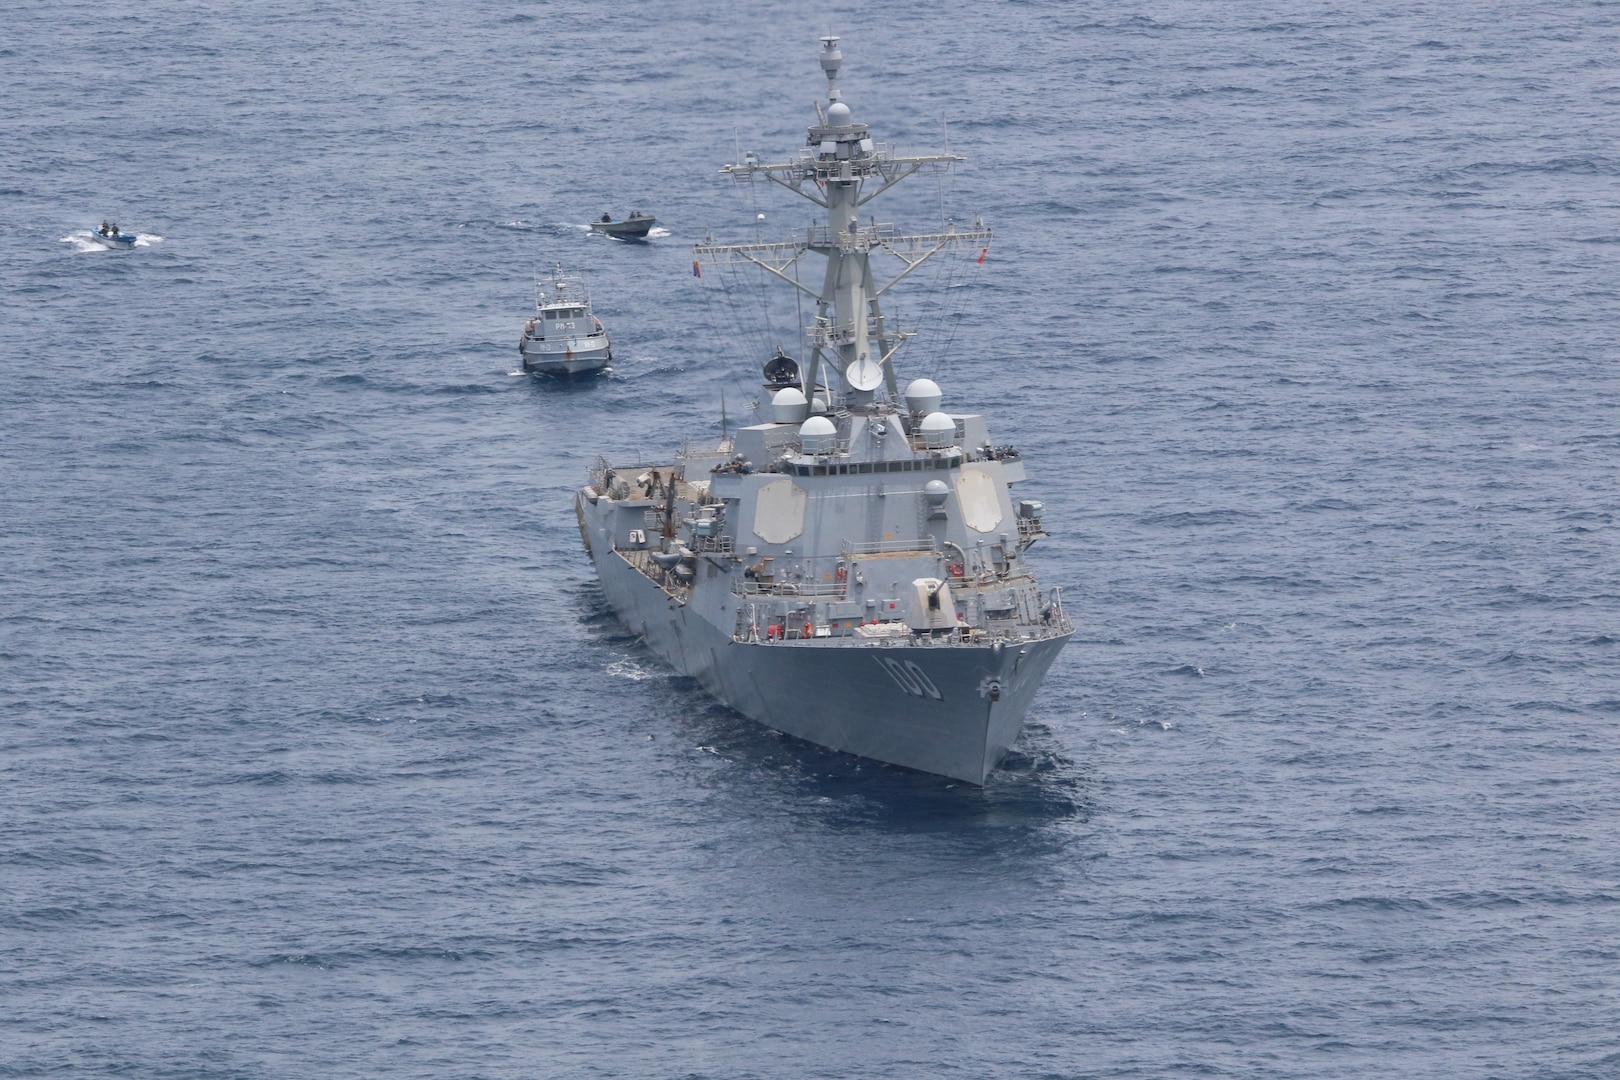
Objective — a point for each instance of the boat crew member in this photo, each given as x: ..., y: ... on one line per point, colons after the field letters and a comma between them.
x: 606, y: 218
x: 104, y: 228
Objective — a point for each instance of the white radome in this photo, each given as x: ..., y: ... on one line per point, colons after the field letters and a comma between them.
x: 938, y: 431
x: 817, y: 435
x: 923, y: 396
x: 789, y: 406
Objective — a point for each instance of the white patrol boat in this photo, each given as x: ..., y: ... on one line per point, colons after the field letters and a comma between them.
x: 564, y: 339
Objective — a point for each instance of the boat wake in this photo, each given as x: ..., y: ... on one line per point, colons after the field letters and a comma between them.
x: 81, y: 241
x: 629, y: 669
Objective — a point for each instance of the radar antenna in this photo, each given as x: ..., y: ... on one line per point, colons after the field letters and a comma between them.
x: 840, y: 168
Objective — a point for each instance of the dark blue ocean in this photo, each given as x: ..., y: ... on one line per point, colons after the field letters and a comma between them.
x: 321, y: 755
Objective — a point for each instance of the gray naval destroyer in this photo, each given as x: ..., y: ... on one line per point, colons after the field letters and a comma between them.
x: 852, y: 569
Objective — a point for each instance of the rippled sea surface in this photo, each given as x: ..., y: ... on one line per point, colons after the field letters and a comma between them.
x: 320, y: 754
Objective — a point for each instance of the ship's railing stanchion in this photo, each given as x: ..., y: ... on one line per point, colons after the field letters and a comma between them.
x: 922, y: 546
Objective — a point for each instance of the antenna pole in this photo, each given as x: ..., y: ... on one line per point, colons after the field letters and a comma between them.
x: 841, y: 168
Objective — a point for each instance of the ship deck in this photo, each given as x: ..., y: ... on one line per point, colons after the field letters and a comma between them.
x: 642, y: 561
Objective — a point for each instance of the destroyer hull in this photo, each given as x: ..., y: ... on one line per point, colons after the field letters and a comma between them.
x: 951, y: 709
x: 851, y: 566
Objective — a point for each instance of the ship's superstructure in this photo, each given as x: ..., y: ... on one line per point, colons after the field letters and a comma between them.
x: 852, y: 568
x: 564, y: 339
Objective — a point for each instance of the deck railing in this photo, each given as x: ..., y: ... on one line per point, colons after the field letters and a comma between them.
x: 921, y: 546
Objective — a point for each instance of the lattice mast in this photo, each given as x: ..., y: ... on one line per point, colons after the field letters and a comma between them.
x: 833, y: 171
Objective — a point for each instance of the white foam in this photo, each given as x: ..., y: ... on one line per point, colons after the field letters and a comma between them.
x: 81, y: 242
x: 631, y: 670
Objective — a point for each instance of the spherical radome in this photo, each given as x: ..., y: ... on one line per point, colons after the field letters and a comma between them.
x: 789, y: 405
x: 923, y: 396
x: 938, y: 431
x: 817, y: 435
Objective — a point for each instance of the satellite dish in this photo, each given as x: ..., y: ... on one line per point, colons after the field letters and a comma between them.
x: 863, y: 374
x: 782, y: 369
